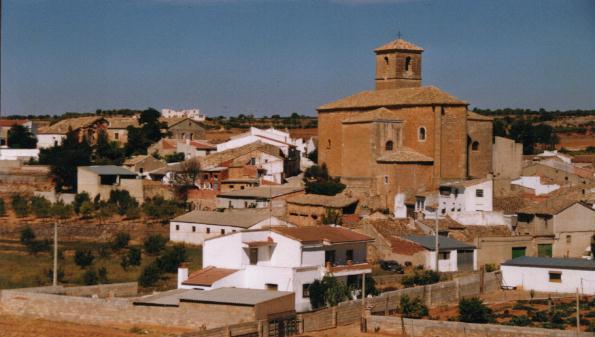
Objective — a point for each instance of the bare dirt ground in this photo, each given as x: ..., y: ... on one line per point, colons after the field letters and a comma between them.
x: 352, y: 330
x: 576, y: 141
x: 15, y: 326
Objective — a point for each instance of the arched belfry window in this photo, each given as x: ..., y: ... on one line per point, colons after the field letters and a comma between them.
x: 389, y: 145
x: 475, y: 146
x: 407, y: 63
x: 386, y: 60
x: 328, y: 144
x: 421, y: 135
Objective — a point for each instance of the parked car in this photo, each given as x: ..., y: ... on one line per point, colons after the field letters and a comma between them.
x: 391, y: 265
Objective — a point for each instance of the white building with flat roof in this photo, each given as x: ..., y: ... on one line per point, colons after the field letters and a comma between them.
x: 281, y: 258
x: 188, y: 113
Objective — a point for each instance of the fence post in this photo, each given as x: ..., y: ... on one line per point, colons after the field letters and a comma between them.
x: 481, y: 279
x: 334, y: 316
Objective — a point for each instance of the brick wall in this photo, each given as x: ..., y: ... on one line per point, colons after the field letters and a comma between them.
x: 428, y: 328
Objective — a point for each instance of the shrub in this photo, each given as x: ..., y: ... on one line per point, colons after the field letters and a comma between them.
x: 134, y: 256
x: 150, y: 275
x: 472, y: 310
x: 102, y: 275
x: 20, y: 205
x: 27, y: 236
x: 83, y: 258
x: 420, y: 277
x: 316, y: 291
x: 540, y: 316
x: 318, y: 181
x: 50, y: 274
x: 490, y: 267
x: 125, y: 263
x: 122, y: 200
x: 412, y: 308
x: 38, y: 246
x: 104, y: 251
x: 41, y: 207
x: 329, y: 291
x: 62, y: 210
x: 520, y: 321
x: 154, y: 244
x: 2, y: 207
x: 159, y: 208
x: 174, y: 157
x: 86, y: 209
x: 133, y: 212
x: 171, y: 259
x: 90, y: 277
x: 121, y: 241
x: 79, y: 200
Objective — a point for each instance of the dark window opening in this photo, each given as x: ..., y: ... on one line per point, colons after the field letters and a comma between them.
x: 329, y: 256
x: 422, y: 133
x: 555, y: 276
x: 389, y: 145
x: 475, y: 146
x: 349, y: 255
x: 305, y: 290
x: 407, y: 63
x: 253, y: 256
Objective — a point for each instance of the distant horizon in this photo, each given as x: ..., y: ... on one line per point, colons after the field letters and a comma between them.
x: 263, y: 57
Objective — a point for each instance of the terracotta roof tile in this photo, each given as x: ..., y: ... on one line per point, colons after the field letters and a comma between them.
x: 62, y: 127
x: 399, y: 44
x: 380, y: 114
x: 208, y: 276
x: 404, y: 155
x: 322, y: 233
x: 416, y: 96
x: 337, y: 201
x: 405, y: 247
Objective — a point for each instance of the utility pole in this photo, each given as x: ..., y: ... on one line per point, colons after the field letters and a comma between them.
x: 55, y: 279
x: 436, y: 241
x: 363, y: 327
x: 578, y: 314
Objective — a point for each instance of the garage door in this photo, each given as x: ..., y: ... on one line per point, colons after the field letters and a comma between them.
x: 465, y: 260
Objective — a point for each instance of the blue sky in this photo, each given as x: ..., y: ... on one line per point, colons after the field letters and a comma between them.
x: 279, y: 56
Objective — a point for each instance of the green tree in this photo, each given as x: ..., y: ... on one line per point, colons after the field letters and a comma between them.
x: 171, y: 259
x: 86, y: 209
x: 37, y: 246
x: 79, y: 199
x: 412, y: 308
x: 102, y: 275
x: 122, y: 200
x: 335, y: 291
x: 174, y: 157
x: 42, y: 208
x: 121, y: 241
x: 318, y: 181
x: 149, y: 132
x: 20, y: 137
x: 90, y: 277
x: 62, y: 211
x: 154, y: 244
x: 473, y: 310
x: 27, y: 236
x: 134, y: 256
x: 150, y: 275
x: 316, y: 291
x: 108, y: 152
x: 20, y: 205
x: 159, y: 208
x: 64, y: 159
x: 332, y: 217
x: 83, y: 258
x: 420, y: 277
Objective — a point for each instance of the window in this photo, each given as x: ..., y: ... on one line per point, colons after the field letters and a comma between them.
x: 253, y: 256
x: 193, y: 229
x: 183, y: 135
x: 231, y: 186
x: 252, y: 161
x: 329, y: 256
x: 141, y: 170
x: 328, y: 144
x: 475, y: 146
x: 407, y: 63
x: 386, y: 60
x: 421, y: 135
x: 305, y: 290
x: 177, y: 227
x: 389, y: 145
x: 518, y: 252
x: 555, y: 276
x: 208, y: 230
x: 544, y: 250
x: 116, y: 135
x: 191, y: 136
x: 271, y: 286
x: 385, y: 179
x: 223, y: 232
x: 479, y: 193
x: 349, y: 255
x: 568, y: 238
x: 444, y: 255
x: 242, y: 187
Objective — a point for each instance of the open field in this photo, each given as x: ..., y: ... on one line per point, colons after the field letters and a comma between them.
x: 19, y: 268
x: 572, y: 141
x: 16, y: 326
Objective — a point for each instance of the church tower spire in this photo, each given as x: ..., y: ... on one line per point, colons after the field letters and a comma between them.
x: 398, y: 65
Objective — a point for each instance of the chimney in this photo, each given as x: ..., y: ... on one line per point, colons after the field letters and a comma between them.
x: 182, y: 275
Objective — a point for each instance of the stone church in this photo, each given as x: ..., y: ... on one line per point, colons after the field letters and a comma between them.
x: 401, y: 137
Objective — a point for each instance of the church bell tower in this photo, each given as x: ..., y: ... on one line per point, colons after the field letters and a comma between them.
x: 398, y: 65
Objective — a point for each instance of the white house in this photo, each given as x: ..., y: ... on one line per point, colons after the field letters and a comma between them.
x: 559, y: 275
x: 189, y: 113
x: 269, y: 136
x: 196, y: 226
x: 453, y: 255
x: 18, y: 154
x: 281, y: 258
x: 258, y: 197
x: 195, y: 148
x: 534, y: 184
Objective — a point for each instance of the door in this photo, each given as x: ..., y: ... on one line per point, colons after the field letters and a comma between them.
x: 518, y: 252
x: 465, y: 260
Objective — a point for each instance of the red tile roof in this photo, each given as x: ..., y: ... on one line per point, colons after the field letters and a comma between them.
x: 405, y: 247
x: 11, y: 122
x: 322, y: 233
x: 346, y: 267
x: 208, y: 276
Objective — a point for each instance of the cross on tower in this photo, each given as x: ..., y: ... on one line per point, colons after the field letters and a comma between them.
x: 399, y: 34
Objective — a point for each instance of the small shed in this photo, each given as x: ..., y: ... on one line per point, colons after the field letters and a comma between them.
x: 309, y: 209
x: 453, y: 255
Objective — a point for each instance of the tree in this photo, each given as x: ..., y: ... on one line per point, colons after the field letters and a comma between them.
x: 318, y: 181
x: 159, y: 208
x: 134, y: 256
x: 154, y: 244
x: 412, y: 308
x: 20, y: 205
x: 313, y: 156
x: 2, y: 208
x: 185, y: 178
x: 122, y: 200
x: 79, y: 199
x: 64, y: 159
x: 83, y: 258
x: 174, y: 157
x: 171, y: 259
x: 102, y: 275
x: 472, y: 310
x: 335, y: 291
x: 20, y: 137
x: 90, y: 277
x: 62, y: 211
x: 316, y: 291
x: 332, y: 217
x: 150, y: 275
x: 27, y: 236
x: 108, y: 152
x: 42, y: 208
x: 149, y: 132
x: 420, y: 277
x: 86, y: 209
x: 120, y: 241
x: 37, y: 246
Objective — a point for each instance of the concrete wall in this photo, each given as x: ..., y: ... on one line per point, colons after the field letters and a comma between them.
x: 497, y: 249
x: 573, y: 228
x: 429, y: 328
x: 507, y: 158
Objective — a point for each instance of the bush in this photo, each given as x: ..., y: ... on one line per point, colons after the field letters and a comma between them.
x: 38, y: 246
x: 174, y: 158
x: 134, y: 256
x: 412, y: 308
x: 316, y: 290
x: 122, y: 200
x: 329, y: 291
x: 2, y: 207
x: 62, y: 210
x: 27, y: 236
x: 20, y: 205
x: 79, y: 200
x: 154, y: 244
x: 318, y: 181
x: 50, y: 274
x: 150, y: 275
x: 121, y: 241
x: 133, y: 212
x: 41, y: 207
x: 90, y: 277
x: 159, y: 208
x: 520, y: 321
x: 490, y: 267
x: 171, y: 259
x: 104, y: 251
x: 102, y: 275
x: 420, y: 277
x: 83, y: 258
x: 86, y: 209
x: 472, y: 310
